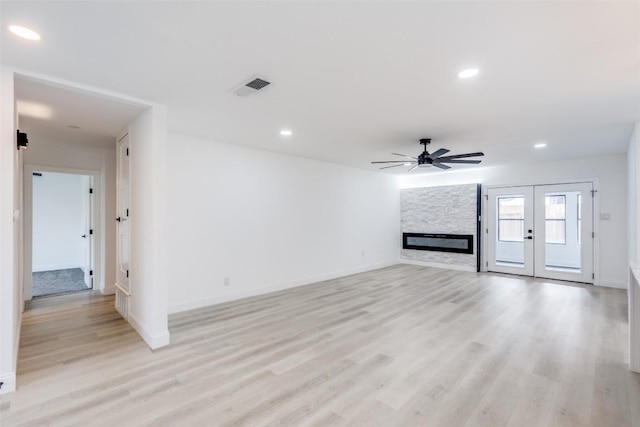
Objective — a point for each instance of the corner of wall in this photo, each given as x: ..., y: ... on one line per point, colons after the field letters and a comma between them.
x: 153, y: 340
x: 8, y: 383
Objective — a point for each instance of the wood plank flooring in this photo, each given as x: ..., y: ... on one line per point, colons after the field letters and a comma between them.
x: 401, y: 346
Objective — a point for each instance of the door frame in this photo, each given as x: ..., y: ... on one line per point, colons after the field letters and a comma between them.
x: 96, y: 214
x: 596, y: 218
x: 120, y: 141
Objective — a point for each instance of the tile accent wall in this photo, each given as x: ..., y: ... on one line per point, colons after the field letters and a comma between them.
x: 450, y: 209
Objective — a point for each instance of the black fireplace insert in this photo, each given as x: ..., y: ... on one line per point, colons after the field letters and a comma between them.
x: 458, y: 243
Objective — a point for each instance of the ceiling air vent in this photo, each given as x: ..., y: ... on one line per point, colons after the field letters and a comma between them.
x: 251, y: 86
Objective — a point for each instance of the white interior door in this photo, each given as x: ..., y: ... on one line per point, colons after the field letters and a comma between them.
x: 510, y: 230
x: 123, y: 213
x: 87, y: 230
x: 564, y: 232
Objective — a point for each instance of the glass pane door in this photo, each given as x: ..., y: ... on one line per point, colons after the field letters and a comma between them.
x: 563, y: 232
x: 510, y: 233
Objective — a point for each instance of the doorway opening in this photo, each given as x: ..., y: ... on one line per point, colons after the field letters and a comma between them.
x: 63, y: 238
x: 542, y: 231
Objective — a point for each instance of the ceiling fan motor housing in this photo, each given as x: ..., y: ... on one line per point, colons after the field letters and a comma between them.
x: 424, y: 157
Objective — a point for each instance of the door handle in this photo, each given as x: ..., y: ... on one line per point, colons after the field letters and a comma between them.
x: 84, y: 236
x: 118, y: 219
x: 529, y: 237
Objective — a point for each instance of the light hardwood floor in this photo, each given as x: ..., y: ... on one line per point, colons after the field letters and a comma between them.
x: 401, y: 346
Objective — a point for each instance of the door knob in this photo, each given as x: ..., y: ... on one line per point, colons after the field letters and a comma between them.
x: 84, y: 236
x: 118, y: 219
x: 529, y: 237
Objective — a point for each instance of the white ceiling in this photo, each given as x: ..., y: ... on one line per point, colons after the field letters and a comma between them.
x: 71, y: 116
x: 356, y: 81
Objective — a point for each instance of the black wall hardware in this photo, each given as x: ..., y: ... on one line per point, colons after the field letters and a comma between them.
x: 458, y: 243
x: 37, y: 174
x: 23, y: 142
x: 1, y: 384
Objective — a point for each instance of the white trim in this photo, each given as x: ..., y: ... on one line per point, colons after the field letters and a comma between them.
x: 438, y: 265
x: 153, y: 340
x: 50, y: 267
x: 122, y: 288
x: 633, y: 296
x: 9, y: 381
x: 611, y: 284
x: 80, y: 88
x: 198, y: 303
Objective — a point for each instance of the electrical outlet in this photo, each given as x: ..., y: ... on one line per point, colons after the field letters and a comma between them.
x: 226, y: 281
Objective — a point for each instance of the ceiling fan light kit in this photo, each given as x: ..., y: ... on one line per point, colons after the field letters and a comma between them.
x: 436, y: 159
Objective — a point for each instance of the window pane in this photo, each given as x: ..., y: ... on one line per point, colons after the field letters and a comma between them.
x: 555, y: 231
x: 511, y: 230
x: 555, y: 207
x: 510, y: 207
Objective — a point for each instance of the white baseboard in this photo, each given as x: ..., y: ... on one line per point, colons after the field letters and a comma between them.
x: 107, y: 289
x: 52, y: 267
x: 153, y: 340
x: 611, y: 284
x: 8, y: 383
x: 438, y: 265
x: 205, y: 302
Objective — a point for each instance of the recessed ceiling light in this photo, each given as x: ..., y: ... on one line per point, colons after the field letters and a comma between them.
x: 408, y: 164
x: 24, y: 32
x: 540, y: 145
x: 469, y: 72
x: 286, y: 132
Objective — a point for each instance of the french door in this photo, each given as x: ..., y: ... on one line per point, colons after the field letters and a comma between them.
x: 542, y: 231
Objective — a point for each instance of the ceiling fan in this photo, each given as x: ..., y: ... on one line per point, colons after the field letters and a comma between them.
x: 437, y: 158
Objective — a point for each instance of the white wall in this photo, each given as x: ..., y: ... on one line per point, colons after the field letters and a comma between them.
x: 149, y: 263
x: 633, y: 157
x: 44, y: 151
x: 58, y: 221
x: 269, y: 221
x: 10, y: 234
x: 611, y: 173
x: 633, y: 190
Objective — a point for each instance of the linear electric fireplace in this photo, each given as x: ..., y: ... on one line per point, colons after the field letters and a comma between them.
x: 459, y: 243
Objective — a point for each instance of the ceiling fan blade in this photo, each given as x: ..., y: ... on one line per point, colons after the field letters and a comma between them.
x: 471, y: 162
x: 404, y: 155
x: 392, y: 166
x: 460, y: 156
x: 392, y: 161
x: 441, y: 166
x: 412, y: 168
x: 439, y: 153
